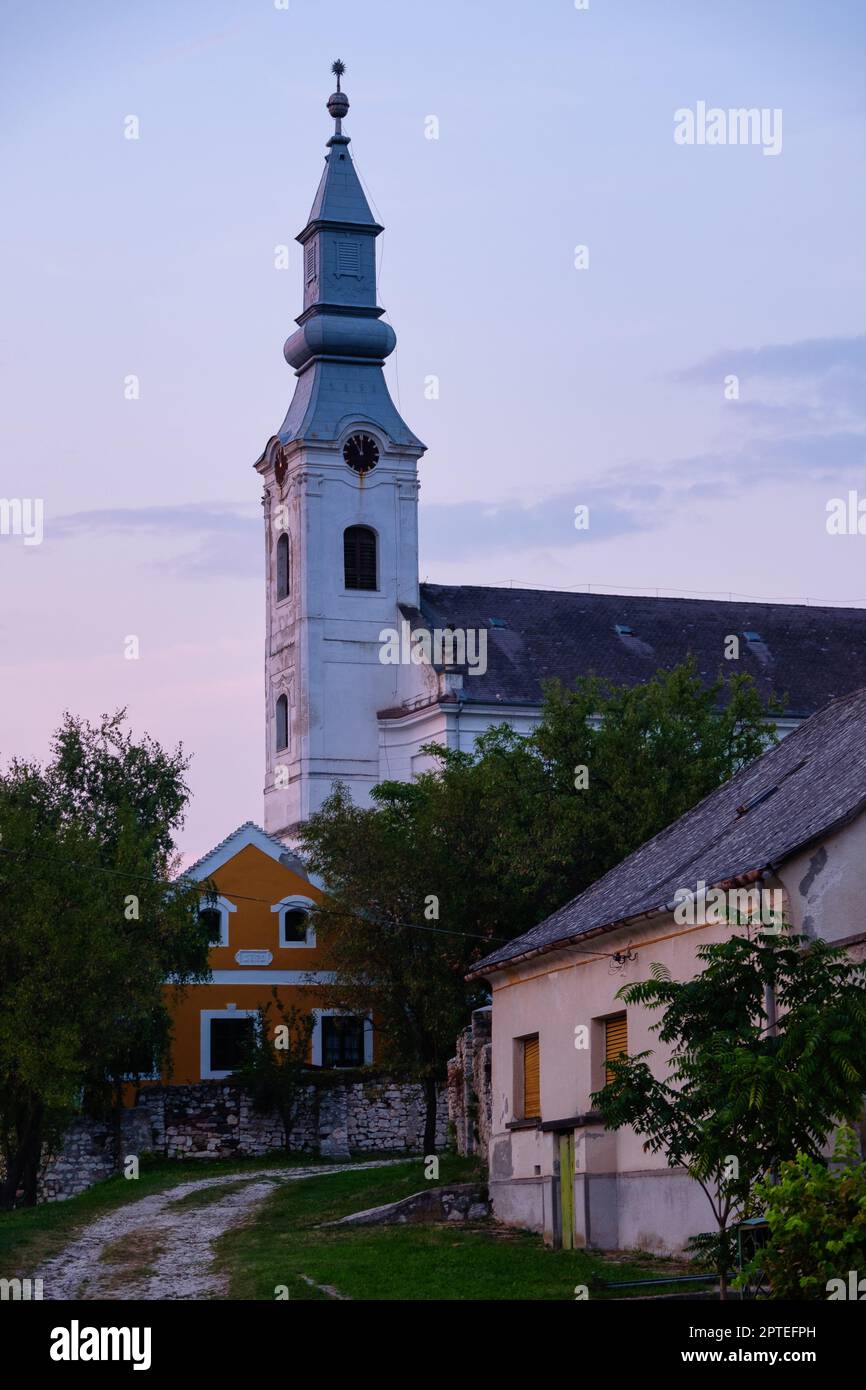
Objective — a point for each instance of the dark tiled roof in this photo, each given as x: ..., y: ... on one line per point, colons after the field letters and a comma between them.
x: 809, y: 654
x: 799, y: 791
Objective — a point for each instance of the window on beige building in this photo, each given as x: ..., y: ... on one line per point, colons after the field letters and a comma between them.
x: 531, y: 1079
x: 615, y: 1042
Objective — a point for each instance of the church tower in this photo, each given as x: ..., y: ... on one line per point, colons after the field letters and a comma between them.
x: 340, y: 512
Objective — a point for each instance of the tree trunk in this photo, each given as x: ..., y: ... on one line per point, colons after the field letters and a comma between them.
x: 430, y: 1101
x: 32, y: 1156
x: 12, y: 1180
x: 22, y: 1167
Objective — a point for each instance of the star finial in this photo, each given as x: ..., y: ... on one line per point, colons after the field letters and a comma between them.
x: 338, y: 102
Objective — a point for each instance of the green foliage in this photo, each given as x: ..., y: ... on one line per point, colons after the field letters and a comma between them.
x: 740, y: 1095
x: 651, y: 751
x: 817, y: 1218
x: 273, y: 1062
x: 500, y: 838
x: 89, y: 928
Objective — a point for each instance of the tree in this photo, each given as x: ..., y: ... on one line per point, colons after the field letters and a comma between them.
x: 274, y: 1061
x: 483, y: 846
x: 90, y: 929
x: 379, y: 924
x: 743, y: 1094
x: 650, y: 753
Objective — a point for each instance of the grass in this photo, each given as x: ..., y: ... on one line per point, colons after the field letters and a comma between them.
x: 283, y: 1246
x: 285, y: 1242
x: 33, y: 1234
x: 205, y: 1195
x: 132, y: 1258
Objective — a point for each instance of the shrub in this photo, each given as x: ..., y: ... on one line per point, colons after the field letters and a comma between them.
x: 817, y: 1218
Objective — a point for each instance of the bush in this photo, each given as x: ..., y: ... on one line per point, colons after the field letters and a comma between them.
x: 817, y: 1218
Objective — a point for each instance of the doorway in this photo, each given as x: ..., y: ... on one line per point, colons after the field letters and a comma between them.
x: 566, y: 1189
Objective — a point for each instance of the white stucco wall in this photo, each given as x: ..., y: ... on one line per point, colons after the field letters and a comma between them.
x: 554, y: 996
x: 625, y: 1198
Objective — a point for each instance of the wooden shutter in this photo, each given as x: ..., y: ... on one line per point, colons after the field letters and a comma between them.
x: 615, y: 1041
x: 359, y: 557
x: 531, y: 1079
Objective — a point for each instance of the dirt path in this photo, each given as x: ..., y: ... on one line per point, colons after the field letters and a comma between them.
x: 161, y: 1247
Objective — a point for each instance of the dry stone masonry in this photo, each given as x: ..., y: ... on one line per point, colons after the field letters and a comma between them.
x: 470, y: 1097
x: 216, y: 1119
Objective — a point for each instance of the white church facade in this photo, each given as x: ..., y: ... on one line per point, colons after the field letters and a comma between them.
x: 340, y: 497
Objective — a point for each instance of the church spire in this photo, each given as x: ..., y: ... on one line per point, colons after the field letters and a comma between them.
x: 341, y: 340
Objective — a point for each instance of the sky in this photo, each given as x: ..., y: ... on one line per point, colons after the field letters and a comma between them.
x: 695, y: 376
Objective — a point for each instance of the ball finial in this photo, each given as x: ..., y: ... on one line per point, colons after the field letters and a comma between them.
x: 338, y: 102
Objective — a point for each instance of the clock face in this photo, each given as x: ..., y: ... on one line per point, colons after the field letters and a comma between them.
x: 281, y: 466
x: 361, y: 452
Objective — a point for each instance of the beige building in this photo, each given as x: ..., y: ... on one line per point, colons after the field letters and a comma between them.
x: 786, y: 835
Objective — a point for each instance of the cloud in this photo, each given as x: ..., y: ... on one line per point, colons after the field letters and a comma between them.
x: 800, y: 415
x: 800, y: 418
x: 460, y: 530
x: 810, y: 359
x: 221, y: 537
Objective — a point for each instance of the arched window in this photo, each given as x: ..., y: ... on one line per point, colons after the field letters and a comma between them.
x: 282, y: 723
x: 296, y: 922
x: 359, y: 557
x: 284, y: 582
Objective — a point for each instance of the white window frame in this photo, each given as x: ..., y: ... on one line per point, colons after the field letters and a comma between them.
x: 207, y: 1016
x: 296, y: 900
x: 319, y: 1014
x: 223, y: 907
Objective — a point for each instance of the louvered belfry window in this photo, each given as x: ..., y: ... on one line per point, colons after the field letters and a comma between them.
x: 348, y: 258
x: 531, y: 1079
x: 615, y: 1042
x: 359, y: 557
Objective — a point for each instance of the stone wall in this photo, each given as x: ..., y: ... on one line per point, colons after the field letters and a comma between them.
x: 470, y: 1096
x: 336, y: 1117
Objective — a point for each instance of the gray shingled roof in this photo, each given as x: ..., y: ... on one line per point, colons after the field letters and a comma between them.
x: 809, y: 654
x: 808, y: 785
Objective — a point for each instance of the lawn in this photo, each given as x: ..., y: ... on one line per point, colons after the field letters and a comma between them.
x: 284, y: 1247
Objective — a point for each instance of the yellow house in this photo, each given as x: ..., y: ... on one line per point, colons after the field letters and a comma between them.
x: 263, y: 935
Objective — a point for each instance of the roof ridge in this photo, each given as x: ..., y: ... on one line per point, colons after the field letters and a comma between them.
x: 707, y: 600
x: 244, y: 825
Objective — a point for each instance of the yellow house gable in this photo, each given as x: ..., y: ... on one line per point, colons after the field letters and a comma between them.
x: 264, y: 937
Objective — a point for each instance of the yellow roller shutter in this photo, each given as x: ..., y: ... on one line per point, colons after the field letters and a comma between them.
x: 531, y: 1079
x: 615, y: 1041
